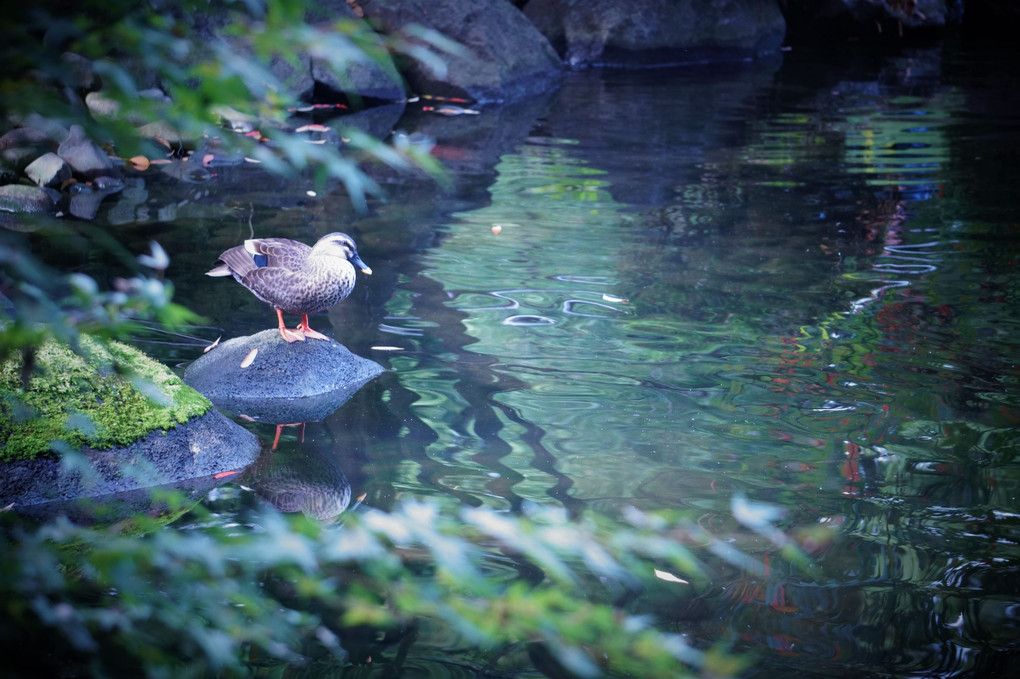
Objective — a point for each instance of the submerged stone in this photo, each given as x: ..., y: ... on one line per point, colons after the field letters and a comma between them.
x: 281, y: 382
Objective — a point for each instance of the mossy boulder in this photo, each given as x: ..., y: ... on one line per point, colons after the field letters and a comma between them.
x: 110, y: 395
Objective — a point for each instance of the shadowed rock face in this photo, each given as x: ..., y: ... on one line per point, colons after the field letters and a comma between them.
x: 658, y: 32
x: 202, y: 447
x: 284, y: 382
x: 507, y: 58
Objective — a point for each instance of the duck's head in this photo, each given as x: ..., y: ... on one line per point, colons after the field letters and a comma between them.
x: 340, y: 245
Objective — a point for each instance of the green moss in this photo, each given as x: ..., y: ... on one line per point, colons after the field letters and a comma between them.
x: 114, y: 397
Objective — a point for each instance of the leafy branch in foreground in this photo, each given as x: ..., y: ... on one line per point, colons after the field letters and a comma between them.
x: 169, y: 78
x: 43, y: 304
x: 287, y: 590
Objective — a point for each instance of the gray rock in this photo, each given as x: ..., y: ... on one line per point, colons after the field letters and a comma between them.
x: 130, y: 208
x: 83, y: 76
x: 376, y: 78
x: 206, y: 445
x: 161, y: 129
x: 85, y: 203
x: 373, y: 80
x: 508, y: 58
x: 101, y: 105
x: 48, y: 170
x: 657, y: 32
x: 286, y: 382
x: 21, y: 198
x: 84, y: 155
x: 22, y: 145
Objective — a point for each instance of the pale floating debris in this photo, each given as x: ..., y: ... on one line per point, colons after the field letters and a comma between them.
x: 387, y: 348
x: 212, y: 346
x: 247, y: 418
x: 450, y: 110
x: 610, y: 298
x: 669, y: 577
x: 250, y: 358
x: 496, y: 228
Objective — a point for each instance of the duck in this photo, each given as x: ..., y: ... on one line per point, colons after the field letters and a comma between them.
x: 295, y: 278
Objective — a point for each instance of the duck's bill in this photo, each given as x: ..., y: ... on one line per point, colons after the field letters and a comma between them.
x: 365, y: 268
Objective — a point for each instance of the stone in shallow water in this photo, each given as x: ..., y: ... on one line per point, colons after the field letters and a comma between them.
x: 20, y: 198
x: 204, y: 446
x: 85, y: 156
x: 48, y: 169
x: 285, y: 382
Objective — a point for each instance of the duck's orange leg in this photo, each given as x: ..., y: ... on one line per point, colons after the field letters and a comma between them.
x: 288, y: 334
x: 308, y: 332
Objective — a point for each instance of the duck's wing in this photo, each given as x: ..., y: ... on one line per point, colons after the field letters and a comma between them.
x: 277, y: 252
x: 293, y: 292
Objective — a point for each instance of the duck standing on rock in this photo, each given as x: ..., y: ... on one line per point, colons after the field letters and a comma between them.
x: 293, y: 277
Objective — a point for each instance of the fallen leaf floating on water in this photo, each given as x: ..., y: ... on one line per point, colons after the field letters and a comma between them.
x: 436, y: 97
x: 315, y: 107
x: 250, y: 358
x: 451, y: 110
x: 669, y: 577
x: 212, y: 346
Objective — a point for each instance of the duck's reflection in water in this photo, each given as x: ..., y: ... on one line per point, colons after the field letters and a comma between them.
x: 299, y: 476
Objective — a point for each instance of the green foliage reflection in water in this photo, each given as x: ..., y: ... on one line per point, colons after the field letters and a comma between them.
x: 288, y: 591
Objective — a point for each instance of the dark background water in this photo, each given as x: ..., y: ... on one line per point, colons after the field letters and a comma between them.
x: 796, y: 283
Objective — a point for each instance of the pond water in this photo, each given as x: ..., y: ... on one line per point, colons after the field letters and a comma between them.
x: 794, y: 282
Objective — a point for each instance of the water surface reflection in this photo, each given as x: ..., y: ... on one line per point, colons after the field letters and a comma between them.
x: 661, y: 289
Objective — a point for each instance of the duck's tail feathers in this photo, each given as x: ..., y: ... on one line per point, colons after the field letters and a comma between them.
x: 221, y: 270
